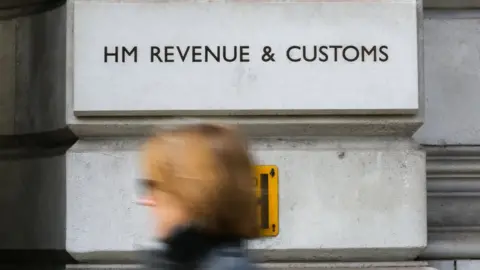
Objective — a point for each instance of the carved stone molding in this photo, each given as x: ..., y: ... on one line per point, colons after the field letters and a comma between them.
x: 453, y: 174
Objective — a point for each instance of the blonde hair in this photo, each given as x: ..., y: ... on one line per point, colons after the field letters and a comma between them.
x: 208, y: 169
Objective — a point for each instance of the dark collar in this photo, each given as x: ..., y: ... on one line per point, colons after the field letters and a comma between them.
x: 190, y: 244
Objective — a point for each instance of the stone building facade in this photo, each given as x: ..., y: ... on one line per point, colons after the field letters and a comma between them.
x: 372, y: 191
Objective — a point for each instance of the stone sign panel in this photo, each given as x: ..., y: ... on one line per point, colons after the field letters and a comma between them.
x: 243, y: 58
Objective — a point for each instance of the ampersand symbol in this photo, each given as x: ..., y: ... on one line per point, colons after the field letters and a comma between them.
x: 267, y: 54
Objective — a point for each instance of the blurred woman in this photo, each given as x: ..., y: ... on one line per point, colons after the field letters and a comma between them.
x: 200, y: 186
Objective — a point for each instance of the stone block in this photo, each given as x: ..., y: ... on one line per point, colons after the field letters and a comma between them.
x: 374, y: 70
x: 452, y: 61
x: 40, y: 82
x: 258, y: 120
x: 442, y: 265
x: 340, y: 199
x: 32, y: 73
x: 32, y: 204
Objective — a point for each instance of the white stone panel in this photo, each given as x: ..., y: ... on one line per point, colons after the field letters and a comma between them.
x: 143, y: 87
x: 337, y: 198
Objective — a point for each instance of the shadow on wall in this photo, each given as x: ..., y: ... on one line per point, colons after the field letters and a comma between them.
x: 32, y: 103
x: 32, y: 209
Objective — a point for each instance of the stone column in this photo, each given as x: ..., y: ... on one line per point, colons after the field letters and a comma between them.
x: 33, y: 133
x: 451, y: 135
x: 352, y: 188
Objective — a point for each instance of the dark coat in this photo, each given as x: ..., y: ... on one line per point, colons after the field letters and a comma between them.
x: 190, y: 249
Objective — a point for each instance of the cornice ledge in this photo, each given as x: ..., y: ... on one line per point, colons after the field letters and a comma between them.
x: 453, y: 170
x: 287, y: 265
x: 255, y: 126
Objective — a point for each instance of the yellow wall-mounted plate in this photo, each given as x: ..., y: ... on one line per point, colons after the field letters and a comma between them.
x: 266, y: 181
